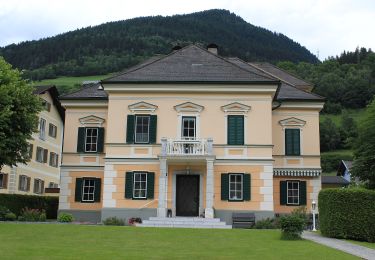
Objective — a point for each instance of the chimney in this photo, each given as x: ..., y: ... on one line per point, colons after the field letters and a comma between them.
x: 212, y: 47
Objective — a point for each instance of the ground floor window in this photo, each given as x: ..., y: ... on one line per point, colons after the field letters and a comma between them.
x: 3, y: 180
x: 24, y: 183
x: 293, y: 192
x: 235, y: 186
x: 140, y: 185
x: 38, y: 186
x: 88, y: 190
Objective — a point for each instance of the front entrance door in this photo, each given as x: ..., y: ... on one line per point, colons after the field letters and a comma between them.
x: 187, y: 195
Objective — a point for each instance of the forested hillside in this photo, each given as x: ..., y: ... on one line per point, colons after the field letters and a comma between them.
x: 114, y: 46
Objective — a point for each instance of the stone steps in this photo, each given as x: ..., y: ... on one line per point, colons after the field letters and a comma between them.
x: 185, y: 222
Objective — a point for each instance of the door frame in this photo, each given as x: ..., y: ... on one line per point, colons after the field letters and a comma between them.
x: 174, y: 189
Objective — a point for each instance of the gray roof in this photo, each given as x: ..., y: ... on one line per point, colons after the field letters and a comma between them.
x: 88, y: 91
x: 334, y: 180
x: 188, y: 65
x: 281, y: 74
x: 348, y: 164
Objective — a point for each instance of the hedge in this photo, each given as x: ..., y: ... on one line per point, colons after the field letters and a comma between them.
x: 347, y: 213
x: 15, y: 203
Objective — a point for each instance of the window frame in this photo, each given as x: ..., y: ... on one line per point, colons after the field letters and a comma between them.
x: 292, y: 153
x: 39, y: 183
x: 183, y: 127
x: 2, y: 175
x: 243, y: 129
x: 91, y: 143
x: 42, y: 129
x: 52, y: 133
x: 88, y: 193
x: 53, y: 159
x: 293, y: 196
x: 23, y: 183
x: 148, y: 129
x: 140, y: 189
x: 38, y: 148
x: 235, y: 190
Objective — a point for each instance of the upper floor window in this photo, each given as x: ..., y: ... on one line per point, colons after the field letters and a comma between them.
x: 188, y: 128
x: 52, y: 130
x: 91, y: 140
x: 3, y: 180
x: 30, y: 150
x: 292, y: 142
x: 53, y: 185
x: 235, y: 186
x: 24, y: 183
x: 236, y: 131
x: 42, y: 129
x: 46, y: 105
x: 142, y: 129
x: 41, y: 154
x: 53, y: 159
x: 38, y: 186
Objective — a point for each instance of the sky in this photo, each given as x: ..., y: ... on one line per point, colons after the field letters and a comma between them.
x: 325, y: 27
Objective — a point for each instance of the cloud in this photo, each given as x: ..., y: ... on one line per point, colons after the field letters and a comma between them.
x: 329, y: 26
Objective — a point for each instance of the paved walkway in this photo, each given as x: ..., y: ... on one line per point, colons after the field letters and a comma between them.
x: 353, y: 249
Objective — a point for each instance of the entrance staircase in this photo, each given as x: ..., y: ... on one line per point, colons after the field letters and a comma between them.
x: 185, y: 222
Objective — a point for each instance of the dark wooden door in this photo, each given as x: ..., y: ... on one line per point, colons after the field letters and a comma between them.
x: 187, y: 195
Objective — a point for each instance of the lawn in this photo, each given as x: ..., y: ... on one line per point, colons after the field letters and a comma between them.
x: 356, y: 114
x: 54, y: 241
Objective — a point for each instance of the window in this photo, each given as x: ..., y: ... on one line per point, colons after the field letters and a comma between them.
x: 188, y: 128
x: 236, y: 130
x: 53, y: 159
x: 235, y: 186
x: 3, y: 180
x: 88, y: 190
x: 140, y: 185
x: 91, y: 139
x: 293, y: 192
x: 53, y: 185
x: 41, y: 154
x: 38, y: 186
x: 52, y: 130
x: 46, y: 105
x: 292, y: 142
x: 30, y: 151
x: 42, y: 129
x: 142, y: 129
x: 24, y: 183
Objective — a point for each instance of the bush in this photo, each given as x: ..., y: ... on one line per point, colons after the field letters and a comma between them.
x: 268, y: 223
x: 347, y: 213
x: 10, y: 216
x: 65, y: 217
x: 32, y: 215
x: 3, y: 212
x: 292, y: 226
x: 113, y: 221
x: 15, y: 203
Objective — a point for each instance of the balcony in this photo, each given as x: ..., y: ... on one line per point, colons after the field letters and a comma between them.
x: 172, y: 147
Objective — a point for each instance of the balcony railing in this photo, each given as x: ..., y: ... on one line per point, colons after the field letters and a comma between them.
x: 186, y: 147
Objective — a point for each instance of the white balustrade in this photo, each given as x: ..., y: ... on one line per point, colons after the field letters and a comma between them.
x: 186, y: 147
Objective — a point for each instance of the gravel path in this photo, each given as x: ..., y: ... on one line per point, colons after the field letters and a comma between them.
x: 353, y: 249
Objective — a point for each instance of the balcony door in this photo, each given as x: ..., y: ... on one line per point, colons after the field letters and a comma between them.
x: 188, y: 128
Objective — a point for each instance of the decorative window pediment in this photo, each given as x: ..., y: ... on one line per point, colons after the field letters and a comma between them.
x: 92, y: 121
x: 292, y: 121
x: 188, y: 107
x: 142, y: 107
x: 236, y: 107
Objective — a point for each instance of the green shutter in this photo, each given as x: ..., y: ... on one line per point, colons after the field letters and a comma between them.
x: 246, y: 187
x: 78, y: 193
x: 97, y: 191
x: 130, y: 129
x: 283, y: 193
x: 153, y: 127
x: 100, y: 139
x: 150, y: 185
x: 302, y: 193
x: 231, y: 130
x: 296, y: 142
x: 224, y: 186
x: 236, y: 130
x: 240, y: 130
x: 81, y: 140
x: 288, y: 142
x: 129, y: 185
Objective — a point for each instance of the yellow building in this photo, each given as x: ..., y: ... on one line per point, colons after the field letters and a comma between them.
x: 191, y: 134
x: 41, y: 175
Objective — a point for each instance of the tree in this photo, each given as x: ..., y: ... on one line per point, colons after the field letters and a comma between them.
x: 19, y: 109
x: 329, y: 136
x: 364, y: 150
x: 348, y: 130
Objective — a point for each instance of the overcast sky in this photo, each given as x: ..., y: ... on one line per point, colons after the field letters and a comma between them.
x: 324, y: 26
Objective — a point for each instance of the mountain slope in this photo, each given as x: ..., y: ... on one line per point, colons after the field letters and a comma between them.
x: 114, y: 46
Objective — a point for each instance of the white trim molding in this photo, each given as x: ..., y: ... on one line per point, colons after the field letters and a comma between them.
x: 292, y: 121
x: 189, y: 107
x: 92, y: 121
x: 297, y: 172
x: 236, y: 107
x: 142, y: 107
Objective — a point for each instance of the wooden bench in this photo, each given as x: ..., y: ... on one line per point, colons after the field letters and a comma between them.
x: 243, y: 220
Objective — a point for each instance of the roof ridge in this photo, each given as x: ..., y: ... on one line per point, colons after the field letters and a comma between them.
x: 268, y: 75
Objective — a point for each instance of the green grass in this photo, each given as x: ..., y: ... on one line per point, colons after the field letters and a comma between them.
x: 339, y: 152
x: 53, y: 241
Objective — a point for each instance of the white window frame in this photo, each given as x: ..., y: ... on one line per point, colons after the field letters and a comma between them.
x: 235, y: 189
x: 182, y: 127
x: 293, y: 196
x: 39, y: 149
x: 39, y: 183
x: 53, y: 159
x: 42, y: 129
x: 53, y: 185
x: 90, y: 184
x: 141, y: 189
x: 52, y: 133
x: 91, y: 143
x: 23, y: 183
x: 148, y: 129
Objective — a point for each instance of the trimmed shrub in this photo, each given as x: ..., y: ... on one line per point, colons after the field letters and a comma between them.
x: 32, y: 215
x: 65, y: 218
x: 15, y: 203
x: 268, y: 223
x: 347, y: 213
x: 292, y: 226
x: 113, y: 221
x: 10, y: 216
